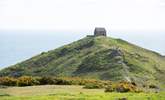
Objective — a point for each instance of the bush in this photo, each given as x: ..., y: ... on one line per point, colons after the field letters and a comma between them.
x: 89, y: 83
x: 152, y: 86
x: 8, y: 81
x: 123, y: 87
x: 126, y: 87
x: 46, y: 81
x: 94, y: 86
x: 29, y: 81
x: 109, y: 88
x: 63, y: 81
x: 26, y: 81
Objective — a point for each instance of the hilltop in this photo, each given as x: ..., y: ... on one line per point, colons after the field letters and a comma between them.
x: 98, y: 57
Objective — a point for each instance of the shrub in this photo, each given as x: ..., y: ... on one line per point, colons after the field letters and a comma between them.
x: 109, y: 88
x: 46, y: 80
x: 153, y: 86
x: 94, y: 86
x: 122, y: 99
x: 26, y: 81
x: 8, y: 81
x: 126, y: 87
x: 123, y: 87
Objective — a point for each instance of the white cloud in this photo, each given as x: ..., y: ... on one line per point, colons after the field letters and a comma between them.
x: 82, y: 14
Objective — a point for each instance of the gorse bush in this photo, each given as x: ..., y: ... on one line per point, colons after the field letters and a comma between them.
x: 153, y: 86
x: 94, y: 86
x: 27, y: 81
x: 21, y: 81
x: 88, y: 83
x: 125, y: 87
x: 109, y: 88
x: 46, y: 80
x: 8, y: 81
x: 122, y: 87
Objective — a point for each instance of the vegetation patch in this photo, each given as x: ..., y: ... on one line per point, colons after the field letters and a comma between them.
x: 123, y: 87
x: 94, y: 86
x: 87, y: 83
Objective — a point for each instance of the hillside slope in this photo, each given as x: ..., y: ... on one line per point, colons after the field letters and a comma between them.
x: 95, y: 57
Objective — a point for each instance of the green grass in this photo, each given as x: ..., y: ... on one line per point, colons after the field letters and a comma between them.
x: 66, y: 92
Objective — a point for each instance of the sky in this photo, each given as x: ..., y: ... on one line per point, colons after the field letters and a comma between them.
x: 34, y: 26
x: 123, y: 15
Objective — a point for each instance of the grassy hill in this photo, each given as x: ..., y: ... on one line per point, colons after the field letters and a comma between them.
x: 95, y: 57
